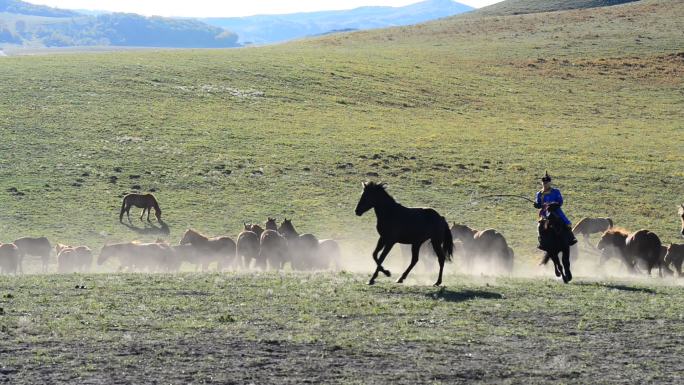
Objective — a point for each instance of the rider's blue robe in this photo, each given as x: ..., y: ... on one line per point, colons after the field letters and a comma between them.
x: 552, y: 196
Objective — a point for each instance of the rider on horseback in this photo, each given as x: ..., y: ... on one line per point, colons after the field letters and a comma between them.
x: 549, y: 200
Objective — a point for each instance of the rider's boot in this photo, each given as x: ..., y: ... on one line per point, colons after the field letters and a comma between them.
x: 570, y: 236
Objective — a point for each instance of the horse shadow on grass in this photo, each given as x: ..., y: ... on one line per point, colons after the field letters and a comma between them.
x: 462, y: 295
x: 614, y: 286
x: 150, y: 228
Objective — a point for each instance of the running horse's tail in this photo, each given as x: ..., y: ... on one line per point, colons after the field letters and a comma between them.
x: 123, y: 208
x: 448, y: 242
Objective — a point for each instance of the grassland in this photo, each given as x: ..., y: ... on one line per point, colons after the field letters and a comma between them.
x: 332, y: 328
x: 444, y: 112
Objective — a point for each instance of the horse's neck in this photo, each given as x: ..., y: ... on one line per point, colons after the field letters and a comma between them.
x: 387, y: 207
x: 197, y: 237
x: 467, y: 235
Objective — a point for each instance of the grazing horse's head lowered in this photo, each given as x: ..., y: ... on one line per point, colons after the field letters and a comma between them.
x: 371, y: 196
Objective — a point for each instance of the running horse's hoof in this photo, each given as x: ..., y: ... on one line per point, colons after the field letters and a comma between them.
x: 387, y: 273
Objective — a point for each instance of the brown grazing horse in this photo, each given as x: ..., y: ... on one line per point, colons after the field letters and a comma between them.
x: 9, y: 258
x: 273, y: 250
x: 588, y: 226
x: 640, y: 246
x: 405, y: 225
x: 144, y: 201
x: 486, y: 245
x: 37, y: 247
x: 218, y: 249
x: 247, y: 247
x: 73, y: 259
x: 304, y: 248
x: 675, y: 256
x: 135, y: 256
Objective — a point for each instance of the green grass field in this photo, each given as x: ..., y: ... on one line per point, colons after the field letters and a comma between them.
x: 332, y: 328
x: 445, y: 113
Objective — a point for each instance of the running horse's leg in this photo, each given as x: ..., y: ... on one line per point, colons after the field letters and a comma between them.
x: 381, y: 258
x: 381, y: 244
x: 415, y: 250
x: 567, y: 275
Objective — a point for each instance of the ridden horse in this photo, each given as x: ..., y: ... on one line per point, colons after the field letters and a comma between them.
x: 554, y: 241
x: 489, y: 245
x: 399, y: 224
x: 588, y: 226
x: 642, y: 245
x: 73, y: 259
x: 144, y: 201
x: 273, y: 250
x: 304, y: 248
x: 39, y: 247
x: 9, y: 258
x: 675, y: 256
x: 219, y: 249
x: 247, y: 247
x: 133, y: 255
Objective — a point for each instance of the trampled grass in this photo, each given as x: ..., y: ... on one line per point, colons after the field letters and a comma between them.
x: 332, y: 328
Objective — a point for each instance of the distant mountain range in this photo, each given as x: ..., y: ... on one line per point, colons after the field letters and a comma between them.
x: 26, y: 25
x: 264, y: 29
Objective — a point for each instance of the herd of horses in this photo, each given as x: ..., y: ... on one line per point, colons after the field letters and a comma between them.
x: 271, y: 247
x: 421, y: 229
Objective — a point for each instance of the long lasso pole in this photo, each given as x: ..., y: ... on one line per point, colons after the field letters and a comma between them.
x: 509, y: 196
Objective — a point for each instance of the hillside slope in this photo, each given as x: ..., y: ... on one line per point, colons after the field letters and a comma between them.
x: 262, y: 29
x: 517, y: 7
x: 445, y: 112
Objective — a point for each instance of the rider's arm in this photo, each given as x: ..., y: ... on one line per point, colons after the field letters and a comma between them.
x: 559, y: 198
x: 537, y: 201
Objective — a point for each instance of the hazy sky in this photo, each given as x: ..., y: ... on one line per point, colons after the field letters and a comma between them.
x: 217, y: 8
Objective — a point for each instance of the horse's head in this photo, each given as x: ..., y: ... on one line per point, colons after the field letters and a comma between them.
x: 271, y: 224
x: 372, y: 192
x: 106, y: 252
x: 248, y: 227
x: 287, y: 229
x: 157, y: 213
x: 681, y: 215
x: 462, y: 232
x: 188, y: 237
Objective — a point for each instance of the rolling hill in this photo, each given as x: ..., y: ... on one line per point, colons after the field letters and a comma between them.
x: 264, y: 29
x: 26, y: 25
x: 445, y: 112
x: 517, y: 7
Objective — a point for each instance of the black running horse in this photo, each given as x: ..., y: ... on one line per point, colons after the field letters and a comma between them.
x: 554, y: 241
x: 399, y: 224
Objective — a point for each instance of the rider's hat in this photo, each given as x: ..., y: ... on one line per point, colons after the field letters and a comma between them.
x: 546, y: 178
